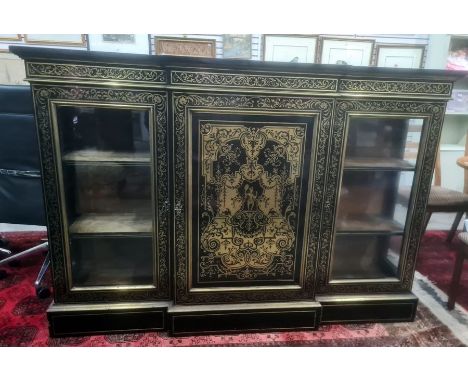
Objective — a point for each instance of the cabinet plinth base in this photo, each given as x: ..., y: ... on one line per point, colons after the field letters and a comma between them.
x: 86, y: 319
x: 368, y: 308
x: 240, y: 318
x: 185, y: 320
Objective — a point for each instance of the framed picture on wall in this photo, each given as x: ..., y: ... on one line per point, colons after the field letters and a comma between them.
x: 121, y: 43
x: 289, y: 48
x: 458, y: 53
x: 56, y: 39
x: 11, y: 37
x: 346, y: 51
x: 400, y: 56
x: 237, y: 46
x: 185, y: 47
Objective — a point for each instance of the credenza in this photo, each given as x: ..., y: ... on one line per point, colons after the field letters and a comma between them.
x: 208, y: 196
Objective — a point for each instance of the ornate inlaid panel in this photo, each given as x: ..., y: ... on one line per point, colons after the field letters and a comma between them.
x: 95, y: 73
x: 374, y: 86
x: 253, y: 80
x: 251, y: 197
x: 247, y: 202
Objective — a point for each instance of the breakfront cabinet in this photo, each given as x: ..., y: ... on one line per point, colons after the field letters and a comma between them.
x: 204, y: 196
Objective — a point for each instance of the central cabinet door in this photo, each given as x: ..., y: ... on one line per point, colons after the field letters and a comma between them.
x: 245, y: 174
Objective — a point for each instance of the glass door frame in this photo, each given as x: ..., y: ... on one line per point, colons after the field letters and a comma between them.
x: 54, y: 105
x: 432, y: 115
x: 154, y: 100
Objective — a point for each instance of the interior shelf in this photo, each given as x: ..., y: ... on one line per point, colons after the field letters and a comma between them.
x: 378, y: 164
x: 368, y: 224
x: 121, y: 223
x: 90, y: 155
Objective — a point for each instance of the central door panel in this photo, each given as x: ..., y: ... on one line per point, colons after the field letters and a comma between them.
x: 248, y: 186
x: 249, y: 198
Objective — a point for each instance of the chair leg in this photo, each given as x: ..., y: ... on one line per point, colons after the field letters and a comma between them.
x: 455, y: 224
x: 426, y: 221
x: 457, y: 271
x: 41, y: 290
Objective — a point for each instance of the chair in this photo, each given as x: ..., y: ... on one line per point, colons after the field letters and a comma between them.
x: 442, y: 199
x: 462, y: 255
x: 21, y: 198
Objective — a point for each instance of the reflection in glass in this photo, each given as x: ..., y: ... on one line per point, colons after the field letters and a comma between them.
x: 378, y: 174
x: 106, y: 170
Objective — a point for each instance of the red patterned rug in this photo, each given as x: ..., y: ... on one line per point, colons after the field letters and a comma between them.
x: 23, y: 321
x: 436, y: 260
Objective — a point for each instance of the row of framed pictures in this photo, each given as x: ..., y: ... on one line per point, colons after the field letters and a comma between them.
x: 332, y: 50
x: 300, y: 48
x: 284, y: 48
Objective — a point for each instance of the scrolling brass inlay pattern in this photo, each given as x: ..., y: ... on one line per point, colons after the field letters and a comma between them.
x: 182, y: 103
x: 422, y: 182
x: 395, y: 87
x: 252, y: 81
x: 90, y: 72
x: 249, y: 201
x: 42, y: 97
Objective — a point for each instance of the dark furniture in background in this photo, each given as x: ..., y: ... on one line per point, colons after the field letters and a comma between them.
x: 204, y: 196
x: 21, y: 198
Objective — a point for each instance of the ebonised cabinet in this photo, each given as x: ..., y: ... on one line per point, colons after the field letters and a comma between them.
x: 204, y: 196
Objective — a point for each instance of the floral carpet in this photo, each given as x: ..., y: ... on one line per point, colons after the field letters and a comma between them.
x: 23, y: 320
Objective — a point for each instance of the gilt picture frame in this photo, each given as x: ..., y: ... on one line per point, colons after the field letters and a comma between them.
x: 400, y: 56
x: 290, y: 48
x: 56, y: 39
x: 185, y: 47
x: 341, y: 51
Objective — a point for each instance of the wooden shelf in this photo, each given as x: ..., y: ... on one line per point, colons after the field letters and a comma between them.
x: 368, y: 224
x: 92, y: 155
x: 377, y: 164
x: 116, y: 223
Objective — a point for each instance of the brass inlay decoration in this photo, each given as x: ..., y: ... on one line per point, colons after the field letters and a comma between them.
x: 157, y: 102
x: 252, y: 81
x: 249, y: 201
x: 90, y: 72
x: 183, y: 106
x: 433, y: 112
x: 396, y: 87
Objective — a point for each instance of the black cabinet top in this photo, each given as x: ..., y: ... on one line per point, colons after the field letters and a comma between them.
x: 140, y: 60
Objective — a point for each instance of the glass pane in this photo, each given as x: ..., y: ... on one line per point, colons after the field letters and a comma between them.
x: 374, y: 201
x: 382, y: 142
x: 107, y: 184
x: 378, y: 174
x: 366, y: 256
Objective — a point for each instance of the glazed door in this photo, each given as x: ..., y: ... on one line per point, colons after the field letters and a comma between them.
x: 110, y: 167
x: 381, y: 193
x: 248, y: 185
